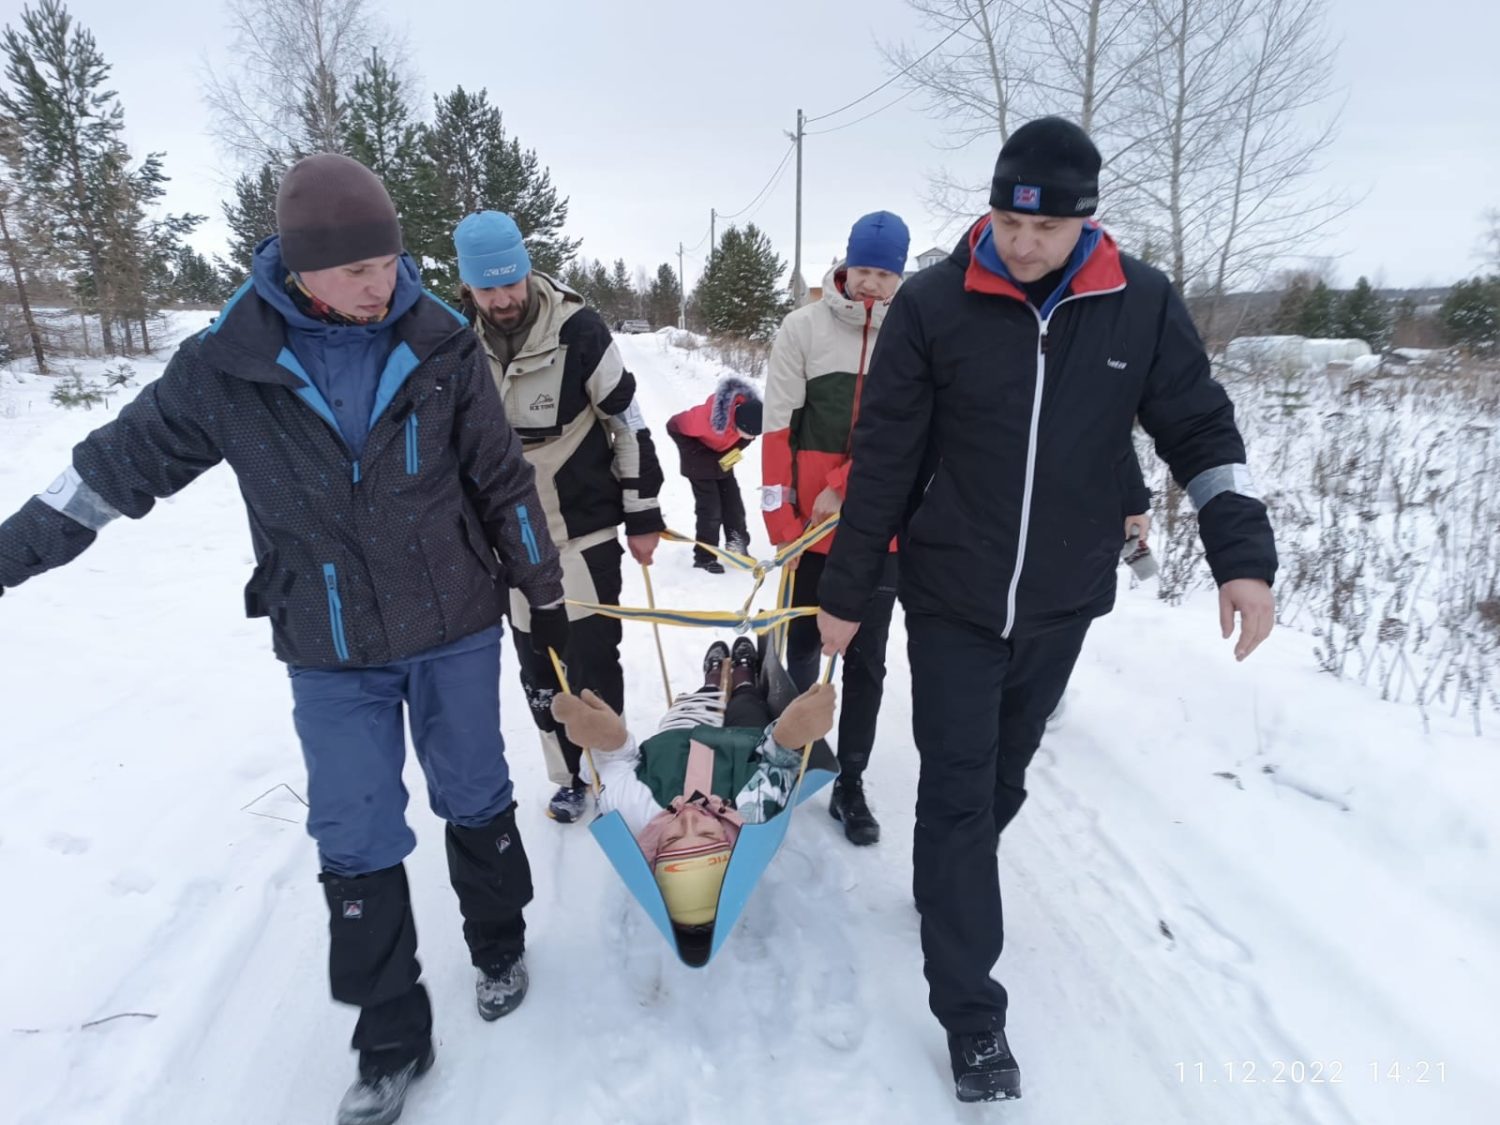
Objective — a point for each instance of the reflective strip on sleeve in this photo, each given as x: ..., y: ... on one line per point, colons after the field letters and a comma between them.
x: 1222, y: 478
x: 76, y: 500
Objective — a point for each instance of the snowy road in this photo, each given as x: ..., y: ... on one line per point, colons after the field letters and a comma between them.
x: 1182, y: 947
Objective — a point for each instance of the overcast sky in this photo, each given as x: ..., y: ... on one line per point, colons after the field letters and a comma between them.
x: 650, y: 113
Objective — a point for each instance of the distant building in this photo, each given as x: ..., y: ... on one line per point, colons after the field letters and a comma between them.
x: 928, y: 258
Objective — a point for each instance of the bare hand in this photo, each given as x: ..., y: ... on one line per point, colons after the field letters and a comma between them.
x: 589, y: 721
x: 1252, y: 599
x: 837, y: 633
x: 1138, y: 527
x: 643, y: 547
x: 807, y: 718
x: 827, y: 504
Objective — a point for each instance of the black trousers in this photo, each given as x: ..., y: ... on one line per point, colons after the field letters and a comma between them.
x: 717, y: 503
x: 592, y: 660
x: 979, y: 708
x: 372, y: 953
x: 863, y: 664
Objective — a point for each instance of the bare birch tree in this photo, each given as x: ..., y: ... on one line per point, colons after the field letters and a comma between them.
x: 1207, y: 113
x: 295, y: 66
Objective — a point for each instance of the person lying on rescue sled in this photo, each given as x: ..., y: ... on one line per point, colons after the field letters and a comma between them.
x: 711, y: 767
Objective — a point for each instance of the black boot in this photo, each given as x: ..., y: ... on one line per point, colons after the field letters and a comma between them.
x: 984, y: 1070
x: 712, y: 565
x: 492, y: 878
x: 379, y: 1095
x: 848, y: 805
x: 372, y: 962
x: 501, y: 988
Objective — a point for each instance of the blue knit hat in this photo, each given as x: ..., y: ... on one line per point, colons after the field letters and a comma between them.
x: 490, y: 250
x: 879, y: 241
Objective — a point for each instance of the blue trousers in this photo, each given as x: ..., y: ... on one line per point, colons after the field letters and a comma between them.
x: 350, y: 723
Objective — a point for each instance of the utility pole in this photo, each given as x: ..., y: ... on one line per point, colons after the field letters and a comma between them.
x: 713, y: 220
x: 799, y: 287
x: 681, y: 291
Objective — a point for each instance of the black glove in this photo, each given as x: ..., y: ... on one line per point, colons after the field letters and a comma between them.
x: 549, y: 629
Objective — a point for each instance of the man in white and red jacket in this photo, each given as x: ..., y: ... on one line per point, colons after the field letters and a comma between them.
x: 813, y: 392
x: 705, y: 435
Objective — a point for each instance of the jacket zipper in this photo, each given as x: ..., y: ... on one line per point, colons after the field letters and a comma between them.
x: 335, y: 611
x: 528, y: 537
x: 413, y: 459
x: 1036, y: 417
x: 859, y: 380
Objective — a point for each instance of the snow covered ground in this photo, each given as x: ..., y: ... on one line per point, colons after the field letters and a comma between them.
x: 1239, y: 895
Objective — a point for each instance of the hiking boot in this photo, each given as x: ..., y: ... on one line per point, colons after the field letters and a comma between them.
x: 379, y: 1095
x: 501, y: 988
x: 744, y: 664
x: 739, y: 544
x: 984, y: 1070
x: 848, y: 805
x: 568, y: 803
x: 713, y: 663
x: 713, y: 566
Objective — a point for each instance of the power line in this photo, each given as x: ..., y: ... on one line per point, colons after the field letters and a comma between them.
x: 904, y: 72
x: 784, y: 158
x: 866, y: 117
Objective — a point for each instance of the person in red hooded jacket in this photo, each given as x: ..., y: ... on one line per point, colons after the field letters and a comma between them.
x: 705, y: 435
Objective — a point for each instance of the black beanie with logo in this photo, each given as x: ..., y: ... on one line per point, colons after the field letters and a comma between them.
x: 1047, y: 167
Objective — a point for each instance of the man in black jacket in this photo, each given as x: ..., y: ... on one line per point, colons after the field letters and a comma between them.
x: 391, y: 511
x: 999, y: 405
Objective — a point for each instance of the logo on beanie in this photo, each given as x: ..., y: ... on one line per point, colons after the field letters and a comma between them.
x: 1086, y: 203
x: 1026, y: 198
x: 499, y: 271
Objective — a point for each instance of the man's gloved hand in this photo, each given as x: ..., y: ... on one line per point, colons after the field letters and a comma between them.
x: 549, y: 629
x: 806, y: 719
x: 589, y: 721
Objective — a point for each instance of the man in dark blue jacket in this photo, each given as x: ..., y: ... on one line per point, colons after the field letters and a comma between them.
x: 998, y: 408
x: 391, y: 512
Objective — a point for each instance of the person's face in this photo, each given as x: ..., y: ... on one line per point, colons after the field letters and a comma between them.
x: 866, y: 283
x: 503, y: 305
x: 359, y: 289
x: 1032, y: 246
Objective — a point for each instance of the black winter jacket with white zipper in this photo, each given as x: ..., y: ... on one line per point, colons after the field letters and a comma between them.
x: 991, y: 441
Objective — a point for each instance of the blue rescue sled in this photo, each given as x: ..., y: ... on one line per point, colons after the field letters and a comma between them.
x: 756, y: 847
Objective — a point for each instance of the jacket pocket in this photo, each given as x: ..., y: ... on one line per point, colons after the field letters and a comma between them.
x: 335, y: 611
x: 257, y: 589
x: 479, y: 545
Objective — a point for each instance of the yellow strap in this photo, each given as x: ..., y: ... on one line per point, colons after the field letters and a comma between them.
x: 807, y: 750
x: 562, y: 680
x: 656, y: 628
x: 760, y: 622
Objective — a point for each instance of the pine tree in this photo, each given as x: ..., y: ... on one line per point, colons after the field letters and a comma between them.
x: 1288, y: 320
x: 251, y: 218
x: 70, y: 123
x: 15, y: 240
x: 627, y: 300
x: 195, y: 281
x: 1471, y: 314
x: 740, y: 292
x: 477, y: 167
x: 385, y: 136
x: 664, y: 298
x: 1363, y: 316
x: 1319, y: 315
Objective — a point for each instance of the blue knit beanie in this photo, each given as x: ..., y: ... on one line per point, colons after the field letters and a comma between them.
x: 879, y: 241
x: 490, y: 250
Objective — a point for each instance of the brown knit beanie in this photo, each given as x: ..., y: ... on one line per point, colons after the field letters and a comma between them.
x: 331, y: 211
